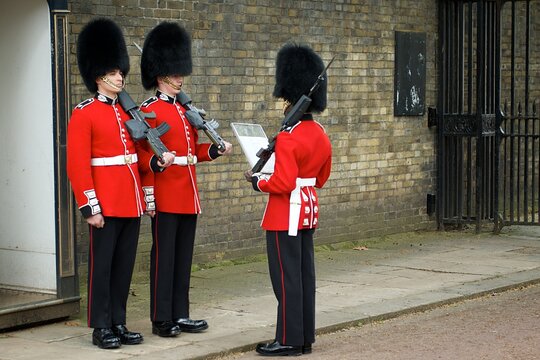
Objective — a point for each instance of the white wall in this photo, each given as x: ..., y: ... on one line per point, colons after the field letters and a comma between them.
x: 27, y: 220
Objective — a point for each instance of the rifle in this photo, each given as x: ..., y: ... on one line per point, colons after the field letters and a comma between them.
x: 139, y: 128
x: 196, y: 118
x: 291, y: 118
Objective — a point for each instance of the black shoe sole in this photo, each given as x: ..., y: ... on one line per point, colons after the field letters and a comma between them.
x: 283, y: 353
x: 106, y: 346
x: 132, y: 342
x: 169, y: 334
x: 196, y: 330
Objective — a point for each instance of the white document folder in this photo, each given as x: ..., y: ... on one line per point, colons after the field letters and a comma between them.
x: 252, y: 138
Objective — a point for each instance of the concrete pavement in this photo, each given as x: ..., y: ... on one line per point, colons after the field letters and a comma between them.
x: 356, y: 283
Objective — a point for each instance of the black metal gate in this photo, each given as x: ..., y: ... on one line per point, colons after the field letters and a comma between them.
x: 488, y: 160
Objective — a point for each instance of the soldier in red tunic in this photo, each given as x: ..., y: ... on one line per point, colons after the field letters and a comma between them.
x: 102, y: 169
x: 166, y: 59
x: 303, y: 157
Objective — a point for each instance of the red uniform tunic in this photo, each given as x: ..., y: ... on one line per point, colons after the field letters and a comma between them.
x: 177, y: 205
x: 302, y: 151
x: 175, y: 188
x: 96, y: 130
x: 303, y: 162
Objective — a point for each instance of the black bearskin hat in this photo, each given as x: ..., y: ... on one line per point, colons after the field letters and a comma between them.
x: 101, y: 48
x: 166, y: 51
x: 297, y: 69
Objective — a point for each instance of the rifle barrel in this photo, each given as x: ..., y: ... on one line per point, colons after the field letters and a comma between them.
x: 320, y: 78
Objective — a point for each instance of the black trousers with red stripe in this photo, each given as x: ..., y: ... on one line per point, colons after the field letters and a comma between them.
x: 110, y: 266
x: 170, y: 265
x: 292, y: 271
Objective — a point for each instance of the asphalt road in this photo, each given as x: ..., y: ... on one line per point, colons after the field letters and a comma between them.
x: 498, y: 326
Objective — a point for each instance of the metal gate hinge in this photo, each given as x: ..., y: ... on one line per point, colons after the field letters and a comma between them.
x: 431, y: 204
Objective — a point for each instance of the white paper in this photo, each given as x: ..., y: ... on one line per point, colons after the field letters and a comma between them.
x: 252, y: 138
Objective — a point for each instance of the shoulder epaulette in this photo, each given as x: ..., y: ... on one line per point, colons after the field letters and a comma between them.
x: 291, y: 128
x: 149, y: 101
x: 84, y: 103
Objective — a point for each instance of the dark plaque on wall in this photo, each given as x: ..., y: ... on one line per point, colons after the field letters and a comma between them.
x: 410, y: 73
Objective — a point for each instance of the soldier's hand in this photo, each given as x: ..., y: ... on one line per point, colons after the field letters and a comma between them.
x: 168, y: 158
x: 97, y: 221
x: 150, y: 213
x: 228, y: 149
x: 248, y: 175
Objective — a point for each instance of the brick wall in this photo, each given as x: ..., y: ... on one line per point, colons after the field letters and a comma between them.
x: 383, y: 165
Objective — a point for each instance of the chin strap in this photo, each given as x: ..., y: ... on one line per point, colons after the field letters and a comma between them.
x: 168, y: 81
x: 286, y: 106
x: 111, y: 84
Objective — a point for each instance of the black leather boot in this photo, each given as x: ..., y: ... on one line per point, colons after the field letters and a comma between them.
x: 276, y: 349
x: 127, y: 337
x: 165, y: 328
x: 105, y: 339
x: 191, y: 326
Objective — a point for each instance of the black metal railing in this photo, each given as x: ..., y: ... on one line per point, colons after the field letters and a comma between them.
x: 519, y: 196
x: 487, y: 153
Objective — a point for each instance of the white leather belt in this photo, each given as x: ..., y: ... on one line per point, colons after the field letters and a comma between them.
x: 295, y: 204
x: 185, y: 160
x: 114, y: 160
